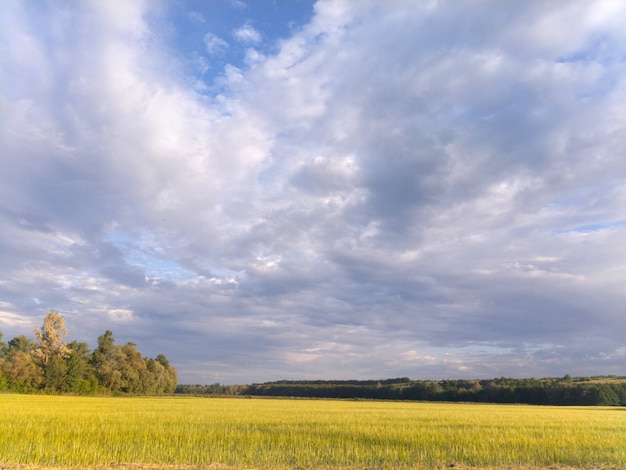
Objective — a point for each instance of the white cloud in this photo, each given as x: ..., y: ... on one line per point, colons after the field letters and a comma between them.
x: 414, y: 356
x: 239, y: 4
x: 120, y: 315
x: 14, y: 320
x: 247, y: 34
x: 214, y: 44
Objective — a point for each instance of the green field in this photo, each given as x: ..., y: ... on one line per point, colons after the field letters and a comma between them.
x: 57, y: 431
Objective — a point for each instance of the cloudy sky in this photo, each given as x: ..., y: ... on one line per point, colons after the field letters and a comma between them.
x: 290, y: 189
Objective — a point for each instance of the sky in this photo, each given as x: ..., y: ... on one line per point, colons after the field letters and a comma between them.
x: 338, y: 189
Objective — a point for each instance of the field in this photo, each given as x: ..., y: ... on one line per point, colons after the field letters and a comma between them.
x: 54, y: 431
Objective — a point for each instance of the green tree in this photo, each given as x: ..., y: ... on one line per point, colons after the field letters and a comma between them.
x: 148, y: 377
x: 3, y: 345
x: 161, y: 359
x: 132, y: 368
x: 80, y: 376
x: 107, y: 362
x: 20, y: 370
x: 4, y: 384
x: 55, y: 375
x: 20, y: 343
x: 167, y: 376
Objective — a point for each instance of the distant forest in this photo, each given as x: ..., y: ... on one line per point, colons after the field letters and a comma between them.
x: 581, y: 391
x: 49, y: 365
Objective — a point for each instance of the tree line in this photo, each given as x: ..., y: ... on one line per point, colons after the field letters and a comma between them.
x: 580, y: 391
x: 48, y: 364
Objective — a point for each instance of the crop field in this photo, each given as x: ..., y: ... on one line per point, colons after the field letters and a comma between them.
x: 55, y: 431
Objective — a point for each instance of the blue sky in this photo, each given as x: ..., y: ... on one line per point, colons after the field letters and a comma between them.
x: 208, y: 36
x: 319, y: 190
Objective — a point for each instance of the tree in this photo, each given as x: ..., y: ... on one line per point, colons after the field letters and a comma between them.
x: 52, y: 365
x: 55, y: 375
x: 19, y: 369
x: 3, y: 345
x: 3, y: 380
x: 20, y: 343
x: 107, y: 361
x: 165, y: 377
x: 133, y: 367
x: 163, y: 361
x: 50, y: 338
x: 79, y: 376
x: 51, y: 351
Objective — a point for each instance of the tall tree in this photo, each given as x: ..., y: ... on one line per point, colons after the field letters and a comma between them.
x: 50, y: 338
x: 107, y: 361
x: 133, y: 368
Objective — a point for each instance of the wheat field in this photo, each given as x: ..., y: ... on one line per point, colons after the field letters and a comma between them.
x: 57, y: 431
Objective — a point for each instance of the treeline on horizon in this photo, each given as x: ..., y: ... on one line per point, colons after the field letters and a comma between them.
x: 50, y: 365
x: 571, y: 391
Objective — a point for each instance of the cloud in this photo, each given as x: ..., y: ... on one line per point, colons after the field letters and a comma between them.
x: 393, y: 190
x: 214, y: 44
x: 414, y: 356
x: 238, y: 4
x: 247, y: 34
x: 12, y: 319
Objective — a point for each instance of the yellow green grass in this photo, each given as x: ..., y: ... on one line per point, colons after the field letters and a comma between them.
x: 263, y: 433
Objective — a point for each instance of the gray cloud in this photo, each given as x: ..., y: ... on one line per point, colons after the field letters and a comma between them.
x: 431, y: 191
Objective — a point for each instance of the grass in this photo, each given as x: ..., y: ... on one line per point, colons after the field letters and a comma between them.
x: 58, y: 431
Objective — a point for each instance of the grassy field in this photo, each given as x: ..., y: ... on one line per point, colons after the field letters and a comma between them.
x: 58, y: 431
